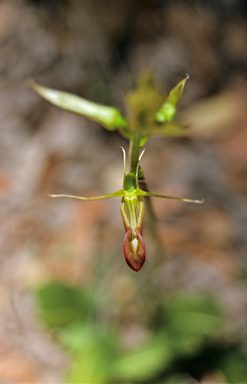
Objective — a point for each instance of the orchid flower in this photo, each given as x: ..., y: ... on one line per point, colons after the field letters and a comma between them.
x: 149, y: 113
x: 132, y: 211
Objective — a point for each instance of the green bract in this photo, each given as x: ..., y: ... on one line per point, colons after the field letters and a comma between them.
x: 108, y: 117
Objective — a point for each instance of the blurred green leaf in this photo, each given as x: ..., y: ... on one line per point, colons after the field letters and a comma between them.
x: 84, y: 369
x: 94, y: 351
x: 61, y: 304
x: 183, y: 343
x: 194, y: 314
x: 80, y: 337
x: 188, y: 319
x: 178, y: 379
x: 235, y: 367
x: 143, y: 364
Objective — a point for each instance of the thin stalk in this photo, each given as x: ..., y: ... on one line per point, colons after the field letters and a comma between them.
x: 134, y: 150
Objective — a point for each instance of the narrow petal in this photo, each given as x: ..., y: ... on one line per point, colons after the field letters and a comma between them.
x: 140, y: 192
x: 134, y: 250
x: 115, y: 194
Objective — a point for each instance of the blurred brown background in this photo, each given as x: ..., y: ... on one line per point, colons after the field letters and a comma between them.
x: 96, y: 48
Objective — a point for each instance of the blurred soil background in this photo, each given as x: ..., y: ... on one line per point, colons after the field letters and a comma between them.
x: 96, y: 48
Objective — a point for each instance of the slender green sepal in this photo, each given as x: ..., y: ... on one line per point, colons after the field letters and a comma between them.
x: 109, y: 117
x: 140, y: 192
x: 115, y: 194
x: 167, y: 112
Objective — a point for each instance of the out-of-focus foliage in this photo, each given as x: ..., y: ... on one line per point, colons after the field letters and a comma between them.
x: 63, y: 304
x: 181, y: 327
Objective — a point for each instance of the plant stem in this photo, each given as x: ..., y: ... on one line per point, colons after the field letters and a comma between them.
x: 134, y: 150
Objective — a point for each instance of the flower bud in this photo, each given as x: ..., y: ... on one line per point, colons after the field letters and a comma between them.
x: 134, y: 249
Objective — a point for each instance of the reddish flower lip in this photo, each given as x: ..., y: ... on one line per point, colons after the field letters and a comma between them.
x: 134, y: 249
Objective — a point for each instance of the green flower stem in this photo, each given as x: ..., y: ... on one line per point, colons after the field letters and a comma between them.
x: 134, y: 151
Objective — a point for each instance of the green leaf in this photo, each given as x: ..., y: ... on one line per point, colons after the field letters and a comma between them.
x: 194, y: 315
x: 84, y: 369
x: 143, y: 364
x: 234, y: 367
x: 167, y: 112
x: 93, y: 352
x: 109, y: 117
x: 62, y: 304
